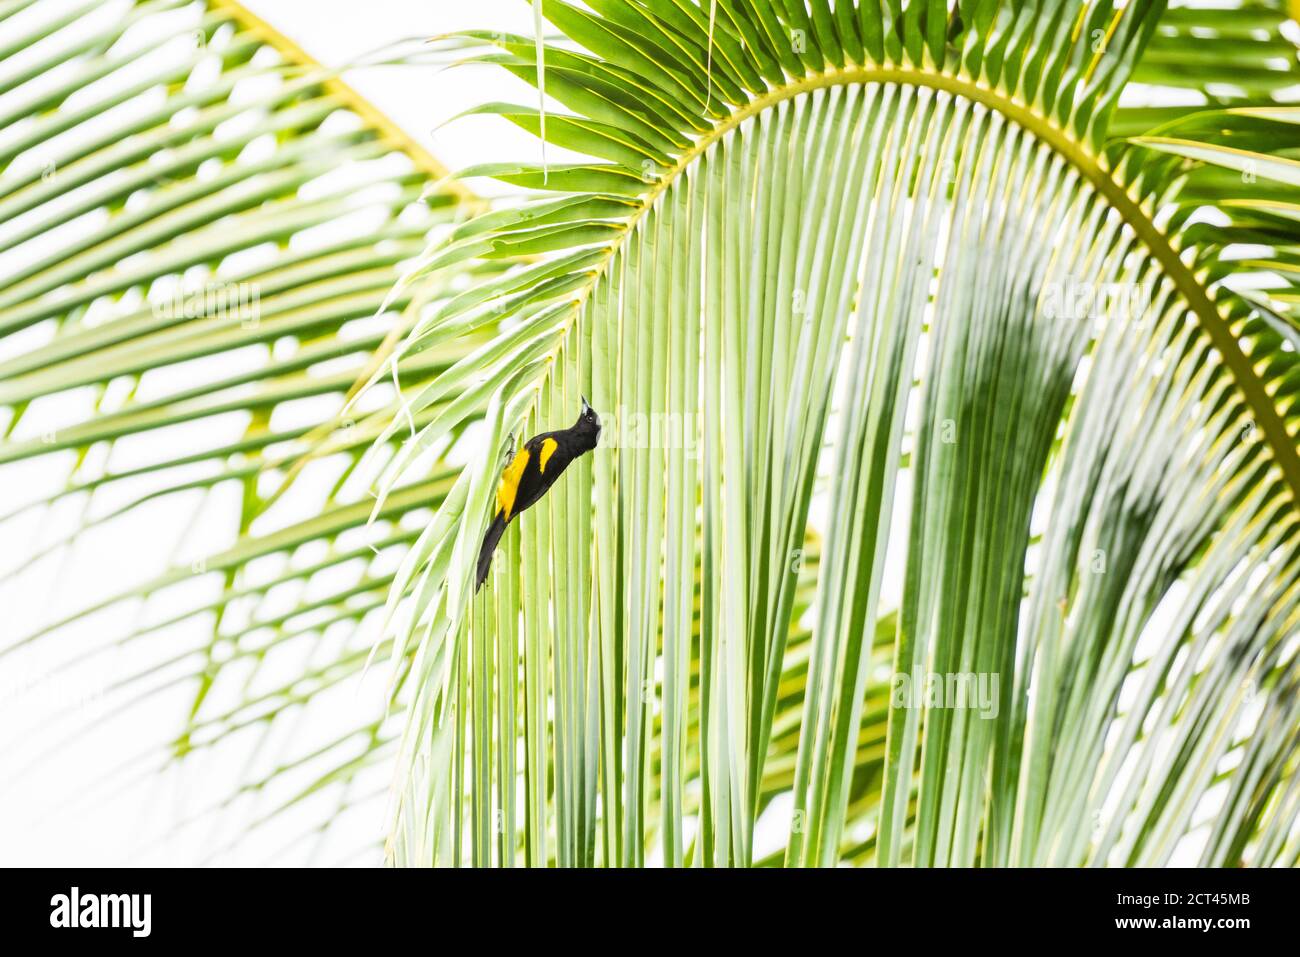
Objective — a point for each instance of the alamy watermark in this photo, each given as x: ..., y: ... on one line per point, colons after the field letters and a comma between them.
x: 960, y: 690
x: 1078, y: 299
x: 624, y: 429
x: 76, y: 909
x: 214, y: 300
x: 672, y: 431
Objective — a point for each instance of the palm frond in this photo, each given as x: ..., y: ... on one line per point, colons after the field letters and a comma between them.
x: 844, y: 243
x: 201, y: 230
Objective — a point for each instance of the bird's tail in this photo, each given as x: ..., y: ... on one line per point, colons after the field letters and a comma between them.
x: 490, y: 540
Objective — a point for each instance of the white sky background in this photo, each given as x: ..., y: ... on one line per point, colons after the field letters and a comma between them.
x: 419, y: 98
x: 49, y: 815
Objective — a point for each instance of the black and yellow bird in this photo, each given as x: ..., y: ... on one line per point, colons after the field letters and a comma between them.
x: 533, y: 470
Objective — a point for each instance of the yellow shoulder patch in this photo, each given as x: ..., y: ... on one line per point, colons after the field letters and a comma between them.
x: 548, y: 449
x: 509, y: 486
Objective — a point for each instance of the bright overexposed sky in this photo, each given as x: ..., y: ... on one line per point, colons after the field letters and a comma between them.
x: 54, y: 807
x: 420, y: 99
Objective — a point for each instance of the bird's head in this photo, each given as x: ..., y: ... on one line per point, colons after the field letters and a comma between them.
x: 588, y: 422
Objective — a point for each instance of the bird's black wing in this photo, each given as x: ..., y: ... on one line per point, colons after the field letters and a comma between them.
x: 533, y: 470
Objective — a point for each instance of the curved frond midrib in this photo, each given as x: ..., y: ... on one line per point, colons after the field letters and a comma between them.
x: 851, y: 303
x: 1090, y: 166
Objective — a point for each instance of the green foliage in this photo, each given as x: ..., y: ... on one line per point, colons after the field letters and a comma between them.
x: 201, y: 229
x: 816, y: 265
x: 842, y: 242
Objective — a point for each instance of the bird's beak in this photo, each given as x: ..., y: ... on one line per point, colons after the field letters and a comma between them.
x: 585, y: 406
